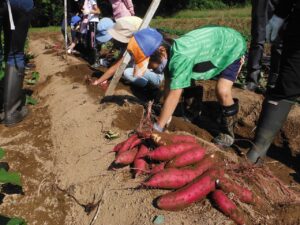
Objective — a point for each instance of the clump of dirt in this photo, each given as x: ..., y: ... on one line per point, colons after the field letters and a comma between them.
x: 129, y: 118
x: 178, y: 124
x: 78, y: 74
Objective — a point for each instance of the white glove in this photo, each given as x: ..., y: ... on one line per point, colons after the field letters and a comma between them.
x: 273, y: 27
x: 156, y: 127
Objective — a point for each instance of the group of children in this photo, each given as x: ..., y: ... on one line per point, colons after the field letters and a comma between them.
x: 202, y: 54
x: 213, y: 52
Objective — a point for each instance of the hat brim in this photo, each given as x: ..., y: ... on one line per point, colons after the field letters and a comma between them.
x: 117, y: 36
x: 103, y: 38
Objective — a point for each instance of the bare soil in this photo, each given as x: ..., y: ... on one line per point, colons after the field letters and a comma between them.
x: 63, y: 156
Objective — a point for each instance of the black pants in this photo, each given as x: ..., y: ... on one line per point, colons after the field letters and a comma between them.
x: 14, y: 40
x: 92, y: 44
x: 288, y: 83
x: 262, y: 11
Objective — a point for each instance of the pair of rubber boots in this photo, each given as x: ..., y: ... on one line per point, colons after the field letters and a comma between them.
x: 12, y: 97
x: 227, y: 121
x: 272, y: 117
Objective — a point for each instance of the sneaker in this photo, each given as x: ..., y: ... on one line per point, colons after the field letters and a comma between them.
x: 251, y: 86
x: 95, y: 65
x: 104, y: 62
x: 224, y: 140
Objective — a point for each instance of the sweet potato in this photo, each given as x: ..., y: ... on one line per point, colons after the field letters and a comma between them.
x: 127, y: 157
x: 167, y: 139
x: 168, y: 152
x: 143, y: 151
x: 118, y: 146
x: 155, y: 168
x: 140, y: 165
x: 187, y: 158
x: 194, y: 192
x: 173, y: 178
x: 226, y: 206
x: 128, y: 142
x: 135, y: 143
x: 242, y: 193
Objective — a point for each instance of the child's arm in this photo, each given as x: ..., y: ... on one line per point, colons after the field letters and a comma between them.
x: 129, y: 6
x: 109, y: 73
x: 169, y: 107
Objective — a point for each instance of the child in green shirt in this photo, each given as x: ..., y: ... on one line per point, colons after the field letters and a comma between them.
x: 199, y: 55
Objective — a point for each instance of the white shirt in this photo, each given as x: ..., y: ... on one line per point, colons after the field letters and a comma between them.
x: 88, y: 6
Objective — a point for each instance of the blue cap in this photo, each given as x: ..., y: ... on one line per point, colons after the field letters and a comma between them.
x: 102, y: 27
x: 149, y: 40
x: 75, y: 20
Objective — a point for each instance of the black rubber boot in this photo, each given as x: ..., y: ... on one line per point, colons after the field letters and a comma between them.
x: 96, y: 59
x: 14, y: 98
x: 228, y: 122
x: 273, y: 115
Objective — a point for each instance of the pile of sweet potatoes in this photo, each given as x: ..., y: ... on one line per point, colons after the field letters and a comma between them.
x: 179, y: 163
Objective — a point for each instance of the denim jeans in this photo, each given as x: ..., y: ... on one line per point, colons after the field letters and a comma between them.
x: 149, y: 77
x: 14, y: 40
x: 26, y: 5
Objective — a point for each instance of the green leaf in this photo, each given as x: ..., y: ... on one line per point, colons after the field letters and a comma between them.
x: 10, y: 177
x: 4, y: 220
x: 31, y: 101
x: 16, y: 221
x: 2, y: 153
x: 35, y: 76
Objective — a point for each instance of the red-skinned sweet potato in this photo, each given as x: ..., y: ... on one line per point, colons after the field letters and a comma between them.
x: 165, y: 153
x: 226, y: 206
x: 173, y: 178
x: 167, y: 138
x: 242, y: 193
x: 194, y: 192
x: 135, y: 143
x: 127, y: 157
x: 127, y: 144
x: 187, y: 158
x: 143, y: 151
x: 155, y: 168
x: 118, y: 146
x: 140, y: 165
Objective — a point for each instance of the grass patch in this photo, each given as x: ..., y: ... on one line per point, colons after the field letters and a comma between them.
x: 187, y: 20
x: 44, y: 29
x: 244, y: 12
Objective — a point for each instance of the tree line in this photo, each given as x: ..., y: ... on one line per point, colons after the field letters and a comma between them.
x: 50, y: 12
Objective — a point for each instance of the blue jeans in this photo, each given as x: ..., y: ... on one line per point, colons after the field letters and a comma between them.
x: 26, y: 5
x: 149, y: 77
x: 14, y: 40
